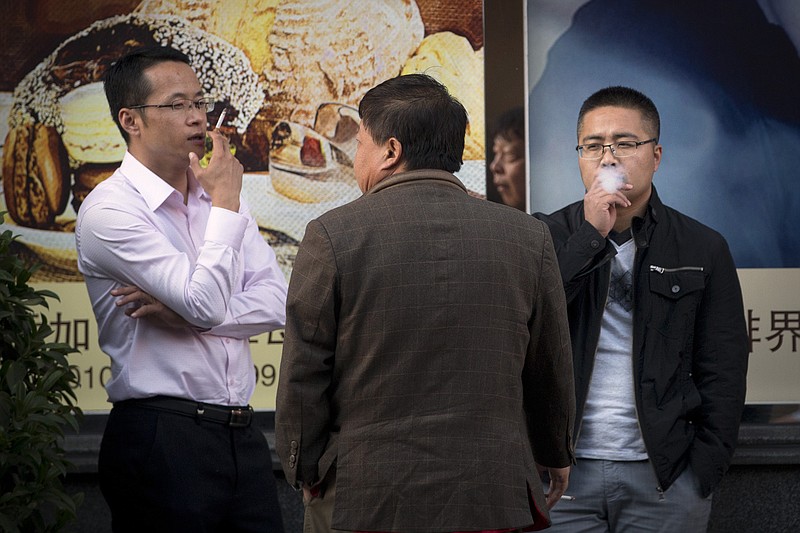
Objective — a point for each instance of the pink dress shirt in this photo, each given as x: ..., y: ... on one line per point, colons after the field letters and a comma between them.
x: 209, y: 265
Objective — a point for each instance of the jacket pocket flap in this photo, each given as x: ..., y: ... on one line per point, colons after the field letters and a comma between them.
x: 677, y: 284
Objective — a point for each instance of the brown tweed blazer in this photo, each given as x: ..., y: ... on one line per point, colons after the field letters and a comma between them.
x: 426, y: 356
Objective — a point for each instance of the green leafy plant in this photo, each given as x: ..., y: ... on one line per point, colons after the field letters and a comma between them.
x: 36, y: 402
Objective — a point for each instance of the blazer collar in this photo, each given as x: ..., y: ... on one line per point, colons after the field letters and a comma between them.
x: 429, y: 175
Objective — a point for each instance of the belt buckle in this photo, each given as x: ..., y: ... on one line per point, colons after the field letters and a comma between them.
x: 241, y: 418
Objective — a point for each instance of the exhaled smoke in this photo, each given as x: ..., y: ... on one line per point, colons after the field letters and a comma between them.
x: 610, y: 178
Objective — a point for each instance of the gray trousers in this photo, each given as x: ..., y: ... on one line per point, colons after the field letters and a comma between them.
x: 623, y: 496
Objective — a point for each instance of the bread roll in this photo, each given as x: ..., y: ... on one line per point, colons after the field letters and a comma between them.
x: 244, y: 23
x: 87, y: 177
x: 35, y: 175
x: 90, y: 134
x: 335, y: 51
x: 462, y: 17
x: 450, y: 59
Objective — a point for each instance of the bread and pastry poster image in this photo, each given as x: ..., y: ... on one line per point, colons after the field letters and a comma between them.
x: 290, y: 74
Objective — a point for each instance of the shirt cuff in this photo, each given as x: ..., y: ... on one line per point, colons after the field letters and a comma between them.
x: 226, y: 227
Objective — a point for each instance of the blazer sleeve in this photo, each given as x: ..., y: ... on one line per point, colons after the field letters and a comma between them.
x: 579, y: 249
x: 549, y: 390
x: 302, y: 415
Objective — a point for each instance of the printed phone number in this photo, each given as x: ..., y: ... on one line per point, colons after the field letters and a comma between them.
x: 92, y: 377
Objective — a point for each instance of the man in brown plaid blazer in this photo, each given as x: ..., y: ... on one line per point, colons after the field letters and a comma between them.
x: 426, y: 366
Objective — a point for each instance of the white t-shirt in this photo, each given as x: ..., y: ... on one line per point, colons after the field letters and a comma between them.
x: 609, y: 429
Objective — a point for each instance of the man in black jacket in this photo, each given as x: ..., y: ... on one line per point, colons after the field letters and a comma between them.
x: 658, y: 334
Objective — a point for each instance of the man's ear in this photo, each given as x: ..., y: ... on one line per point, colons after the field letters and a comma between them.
x: 393, y: 153
x: 129, y: 121
x: 657, y: 157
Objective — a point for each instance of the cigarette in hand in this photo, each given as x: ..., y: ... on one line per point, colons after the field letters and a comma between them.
x: 563, y: 497
x: 221, y: 118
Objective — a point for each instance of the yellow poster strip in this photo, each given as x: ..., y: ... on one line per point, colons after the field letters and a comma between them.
x: 772, y: 311
x: 73, y: 323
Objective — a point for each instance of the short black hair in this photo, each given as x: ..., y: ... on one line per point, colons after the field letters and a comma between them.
x: 125, y: 83
x: 626, y: 97
x: 510, y: 125
x: 419, y: 112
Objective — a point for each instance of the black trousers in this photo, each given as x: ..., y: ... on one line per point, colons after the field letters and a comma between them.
x: 161, y: 471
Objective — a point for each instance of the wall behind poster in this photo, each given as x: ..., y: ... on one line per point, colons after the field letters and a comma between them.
x: 291, y: 73
x: 725, y: 76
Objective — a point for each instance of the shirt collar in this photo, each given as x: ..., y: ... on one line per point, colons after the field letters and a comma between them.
x: 153, y: 189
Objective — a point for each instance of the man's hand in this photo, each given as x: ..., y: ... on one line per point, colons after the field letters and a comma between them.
x: 306, y: 494
x: 143, y: 305
x: 559, y: 481
x: 222, y: 178
x: 600, y: 206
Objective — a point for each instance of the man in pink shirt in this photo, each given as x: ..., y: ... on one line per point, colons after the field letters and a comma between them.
x: 179, y: 279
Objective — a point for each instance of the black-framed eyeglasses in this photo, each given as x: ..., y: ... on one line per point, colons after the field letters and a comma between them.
x: 618, y: 149
x: 205, y: 105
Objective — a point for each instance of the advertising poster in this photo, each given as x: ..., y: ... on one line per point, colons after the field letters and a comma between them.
x: 290, y: 74
x: 725, y: 77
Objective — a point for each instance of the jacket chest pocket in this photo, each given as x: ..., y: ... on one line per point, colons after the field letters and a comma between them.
x: 676, y: 293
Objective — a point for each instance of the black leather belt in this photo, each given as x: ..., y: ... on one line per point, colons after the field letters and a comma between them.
x: 234, y: 416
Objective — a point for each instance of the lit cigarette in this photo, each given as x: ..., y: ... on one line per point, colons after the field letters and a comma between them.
x: 563, y: 497
x: 221, y: 118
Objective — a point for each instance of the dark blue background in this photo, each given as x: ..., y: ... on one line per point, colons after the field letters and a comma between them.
x: 727, y: 85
